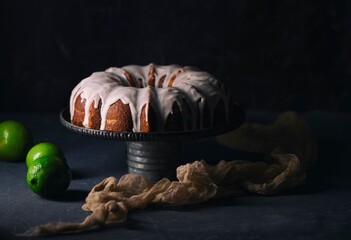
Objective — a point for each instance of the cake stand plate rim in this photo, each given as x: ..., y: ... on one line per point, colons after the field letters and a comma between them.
x: 152, y: 136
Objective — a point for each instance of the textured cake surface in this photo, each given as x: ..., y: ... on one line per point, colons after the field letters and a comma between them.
x: 150, y: 98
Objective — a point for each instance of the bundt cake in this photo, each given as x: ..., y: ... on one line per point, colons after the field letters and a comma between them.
x: 150, y: 98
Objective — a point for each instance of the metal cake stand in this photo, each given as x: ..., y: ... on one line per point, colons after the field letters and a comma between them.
x: 153, y: 155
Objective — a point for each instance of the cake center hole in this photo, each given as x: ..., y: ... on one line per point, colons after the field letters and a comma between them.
x: 152, y: 82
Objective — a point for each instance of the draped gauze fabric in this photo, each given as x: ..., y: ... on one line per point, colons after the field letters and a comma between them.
x: 290, y: 149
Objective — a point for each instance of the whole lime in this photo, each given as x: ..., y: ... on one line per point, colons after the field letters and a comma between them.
x: 49, y: 176
x: 43, y: 149
x: 15, y: 141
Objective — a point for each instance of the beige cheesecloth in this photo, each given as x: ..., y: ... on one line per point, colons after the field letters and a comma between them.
x: 290, y: 149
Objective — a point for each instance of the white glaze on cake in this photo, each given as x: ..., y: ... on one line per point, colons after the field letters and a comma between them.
x: 131, y: 85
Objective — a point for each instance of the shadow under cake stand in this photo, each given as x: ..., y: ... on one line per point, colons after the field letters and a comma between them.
x: 153, y: 155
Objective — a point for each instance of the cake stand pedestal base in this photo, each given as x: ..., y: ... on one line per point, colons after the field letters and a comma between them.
x: 154, y: 160
x: 154, y: 155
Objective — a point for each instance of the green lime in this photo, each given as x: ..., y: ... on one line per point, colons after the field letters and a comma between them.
x: 43, y: 149
x: 49, y: 176
x: 15, y: 141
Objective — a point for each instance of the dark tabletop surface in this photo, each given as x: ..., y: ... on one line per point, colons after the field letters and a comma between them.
x: 320, y: 209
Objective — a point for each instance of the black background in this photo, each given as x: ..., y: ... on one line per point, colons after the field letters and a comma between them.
x: 273, y: 55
